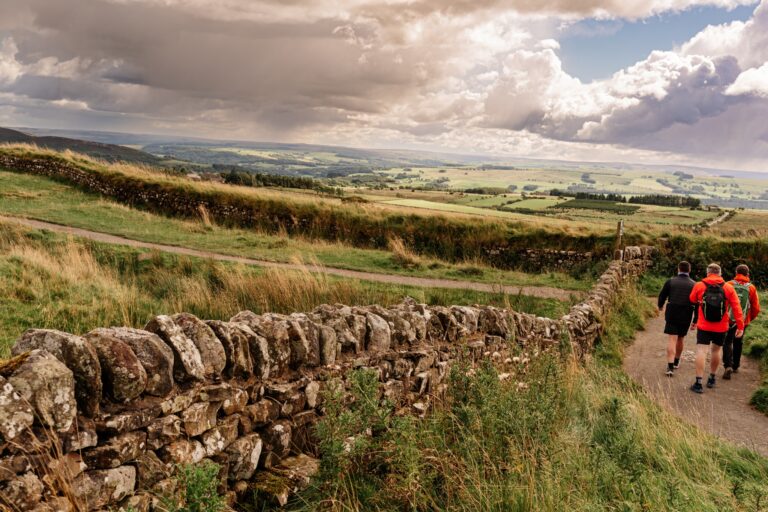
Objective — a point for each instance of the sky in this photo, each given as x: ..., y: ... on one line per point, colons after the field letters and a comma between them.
x: 646, y: 81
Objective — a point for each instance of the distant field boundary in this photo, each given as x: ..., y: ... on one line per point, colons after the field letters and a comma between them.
x: 504, y: 245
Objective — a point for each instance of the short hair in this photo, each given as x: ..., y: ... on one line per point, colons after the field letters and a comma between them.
x: 684, y: 266
x: 714, y: 268
x: 742, y: 269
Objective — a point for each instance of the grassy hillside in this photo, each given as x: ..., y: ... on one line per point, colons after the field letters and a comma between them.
x: 756, y: 345
x: 107, y: 152
x: 556, y: 436
x: 44, y: 199
x: 50, y: 281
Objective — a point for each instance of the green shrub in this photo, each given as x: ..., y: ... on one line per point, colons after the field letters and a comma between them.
x: 197, y: 489
x: 760, y: 399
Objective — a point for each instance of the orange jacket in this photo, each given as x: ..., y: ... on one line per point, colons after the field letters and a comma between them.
x: 754, y: 299
x: 731, y: 300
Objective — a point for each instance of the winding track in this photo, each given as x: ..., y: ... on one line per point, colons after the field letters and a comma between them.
x: 543, y: 292
x: 723, y: 411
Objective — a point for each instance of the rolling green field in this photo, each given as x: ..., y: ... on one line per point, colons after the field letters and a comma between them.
x: 547, y: 209
x: 454, y: 208
x: 412, y: 169
x: 43, y: 199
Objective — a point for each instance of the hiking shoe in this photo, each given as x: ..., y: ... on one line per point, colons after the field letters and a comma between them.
x: 677, y: 366
x: 697, y: 388
x: 711, y: 382
x: 727, y: 374
x: 735, y: 370
x: 670, y: 373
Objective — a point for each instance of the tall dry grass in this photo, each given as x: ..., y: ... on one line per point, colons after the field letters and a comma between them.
x: 48, y: 281
x: 402, y: 255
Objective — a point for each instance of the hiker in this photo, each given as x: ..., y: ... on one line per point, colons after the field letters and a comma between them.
x: 715, y: 298
x: 750, y: 306
x: 679, y: 313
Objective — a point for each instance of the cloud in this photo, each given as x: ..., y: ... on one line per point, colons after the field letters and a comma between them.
x: 10, y: 68
x: 483, y: 73
x: 535, y: 94
x: 402, y: 10
x: 746, y: 41
x: 753, y: 81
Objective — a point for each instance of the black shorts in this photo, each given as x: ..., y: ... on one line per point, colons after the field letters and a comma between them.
x: 707, y: 337
x: 676, y: 328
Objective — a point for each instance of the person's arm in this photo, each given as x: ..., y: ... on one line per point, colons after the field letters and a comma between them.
x: 695, y: 298
x: 735, y: 304
x: 664, y: 294
x: 754, y: 303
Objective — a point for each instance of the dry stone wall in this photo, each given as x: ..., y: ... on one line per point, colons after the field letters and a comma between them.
x: 102, y: 419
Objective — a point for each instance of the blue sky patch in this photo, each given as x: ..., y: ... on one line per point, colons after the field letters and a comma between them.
x: 595, y: 49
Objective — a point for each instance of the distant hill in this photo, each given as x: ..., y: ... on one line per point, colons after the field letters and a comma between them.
x: 109, y: 152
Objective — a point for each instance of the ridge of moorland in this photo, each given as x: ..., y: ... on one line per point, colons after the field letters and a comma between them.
x: 98, y: 150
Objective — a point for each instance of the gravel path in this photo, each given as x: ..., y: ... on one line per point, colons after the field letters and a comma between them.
x: 723, y: 411
x: 535, y: 291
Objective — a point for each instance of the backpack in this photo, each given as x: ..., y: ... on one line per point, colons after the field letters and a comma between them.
x: 713, y: 302
x: 742, y: 290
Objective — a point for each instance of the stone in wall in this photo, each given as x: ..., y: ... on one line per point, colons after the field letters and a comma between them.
x: 155, y: 356
x: 77, y: 354
x: 49, y: 387
x: 211, y: 349
x: 122, y: 372
x: 16, y: 414
x: 235, y: 342
x: 187, y: 363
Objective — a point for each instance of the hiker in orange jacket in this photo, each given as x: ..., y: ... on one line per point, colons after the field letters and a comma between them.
x: 715, y: 298
x: 750, y: 305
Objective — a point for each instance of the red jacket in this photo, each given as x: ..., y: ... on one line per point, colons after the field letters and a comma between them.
x: 754, y: 299
x: 731, y: 300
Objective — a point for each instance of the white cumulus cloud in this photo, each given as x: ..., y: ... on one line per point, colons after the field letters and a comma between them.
x: 752, y: 81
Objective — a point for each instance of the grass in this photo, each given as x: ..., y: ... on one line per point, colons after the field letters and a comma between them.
x: 44, y: 199
x: 756, y: 345
x: 456, y: 208
x: 587, y: 204
x: 556, y: 436
x: 48, y: 281
x: 197, y: 489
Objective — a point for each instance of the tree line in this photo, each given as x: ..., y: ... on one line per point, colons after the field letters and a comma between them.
x: 254, y: 179
x: 654, y: 199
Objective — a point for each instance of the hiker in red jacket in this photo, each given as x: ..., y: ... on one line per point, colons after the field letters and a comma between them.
x: 750, y: 306
x: 715, y: 298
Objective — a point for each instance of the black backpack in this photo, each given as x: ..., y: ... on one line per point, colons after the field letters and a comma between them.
x: 713, y: 303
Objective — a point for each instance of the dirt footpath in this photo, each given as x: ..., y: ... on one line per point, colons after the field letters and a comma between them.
x: 723, y: 411
x: 543, y: 292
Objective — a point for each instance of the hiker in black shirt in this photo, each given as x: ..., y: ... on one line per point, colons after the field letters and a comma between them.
x: 679, y: 313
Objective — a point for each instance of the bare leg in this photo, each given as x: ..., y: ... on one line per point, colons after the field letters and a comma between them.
x: 701, y: 359
x: 715, y: 359
x: 679, y: 348
x: 671, y: 347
